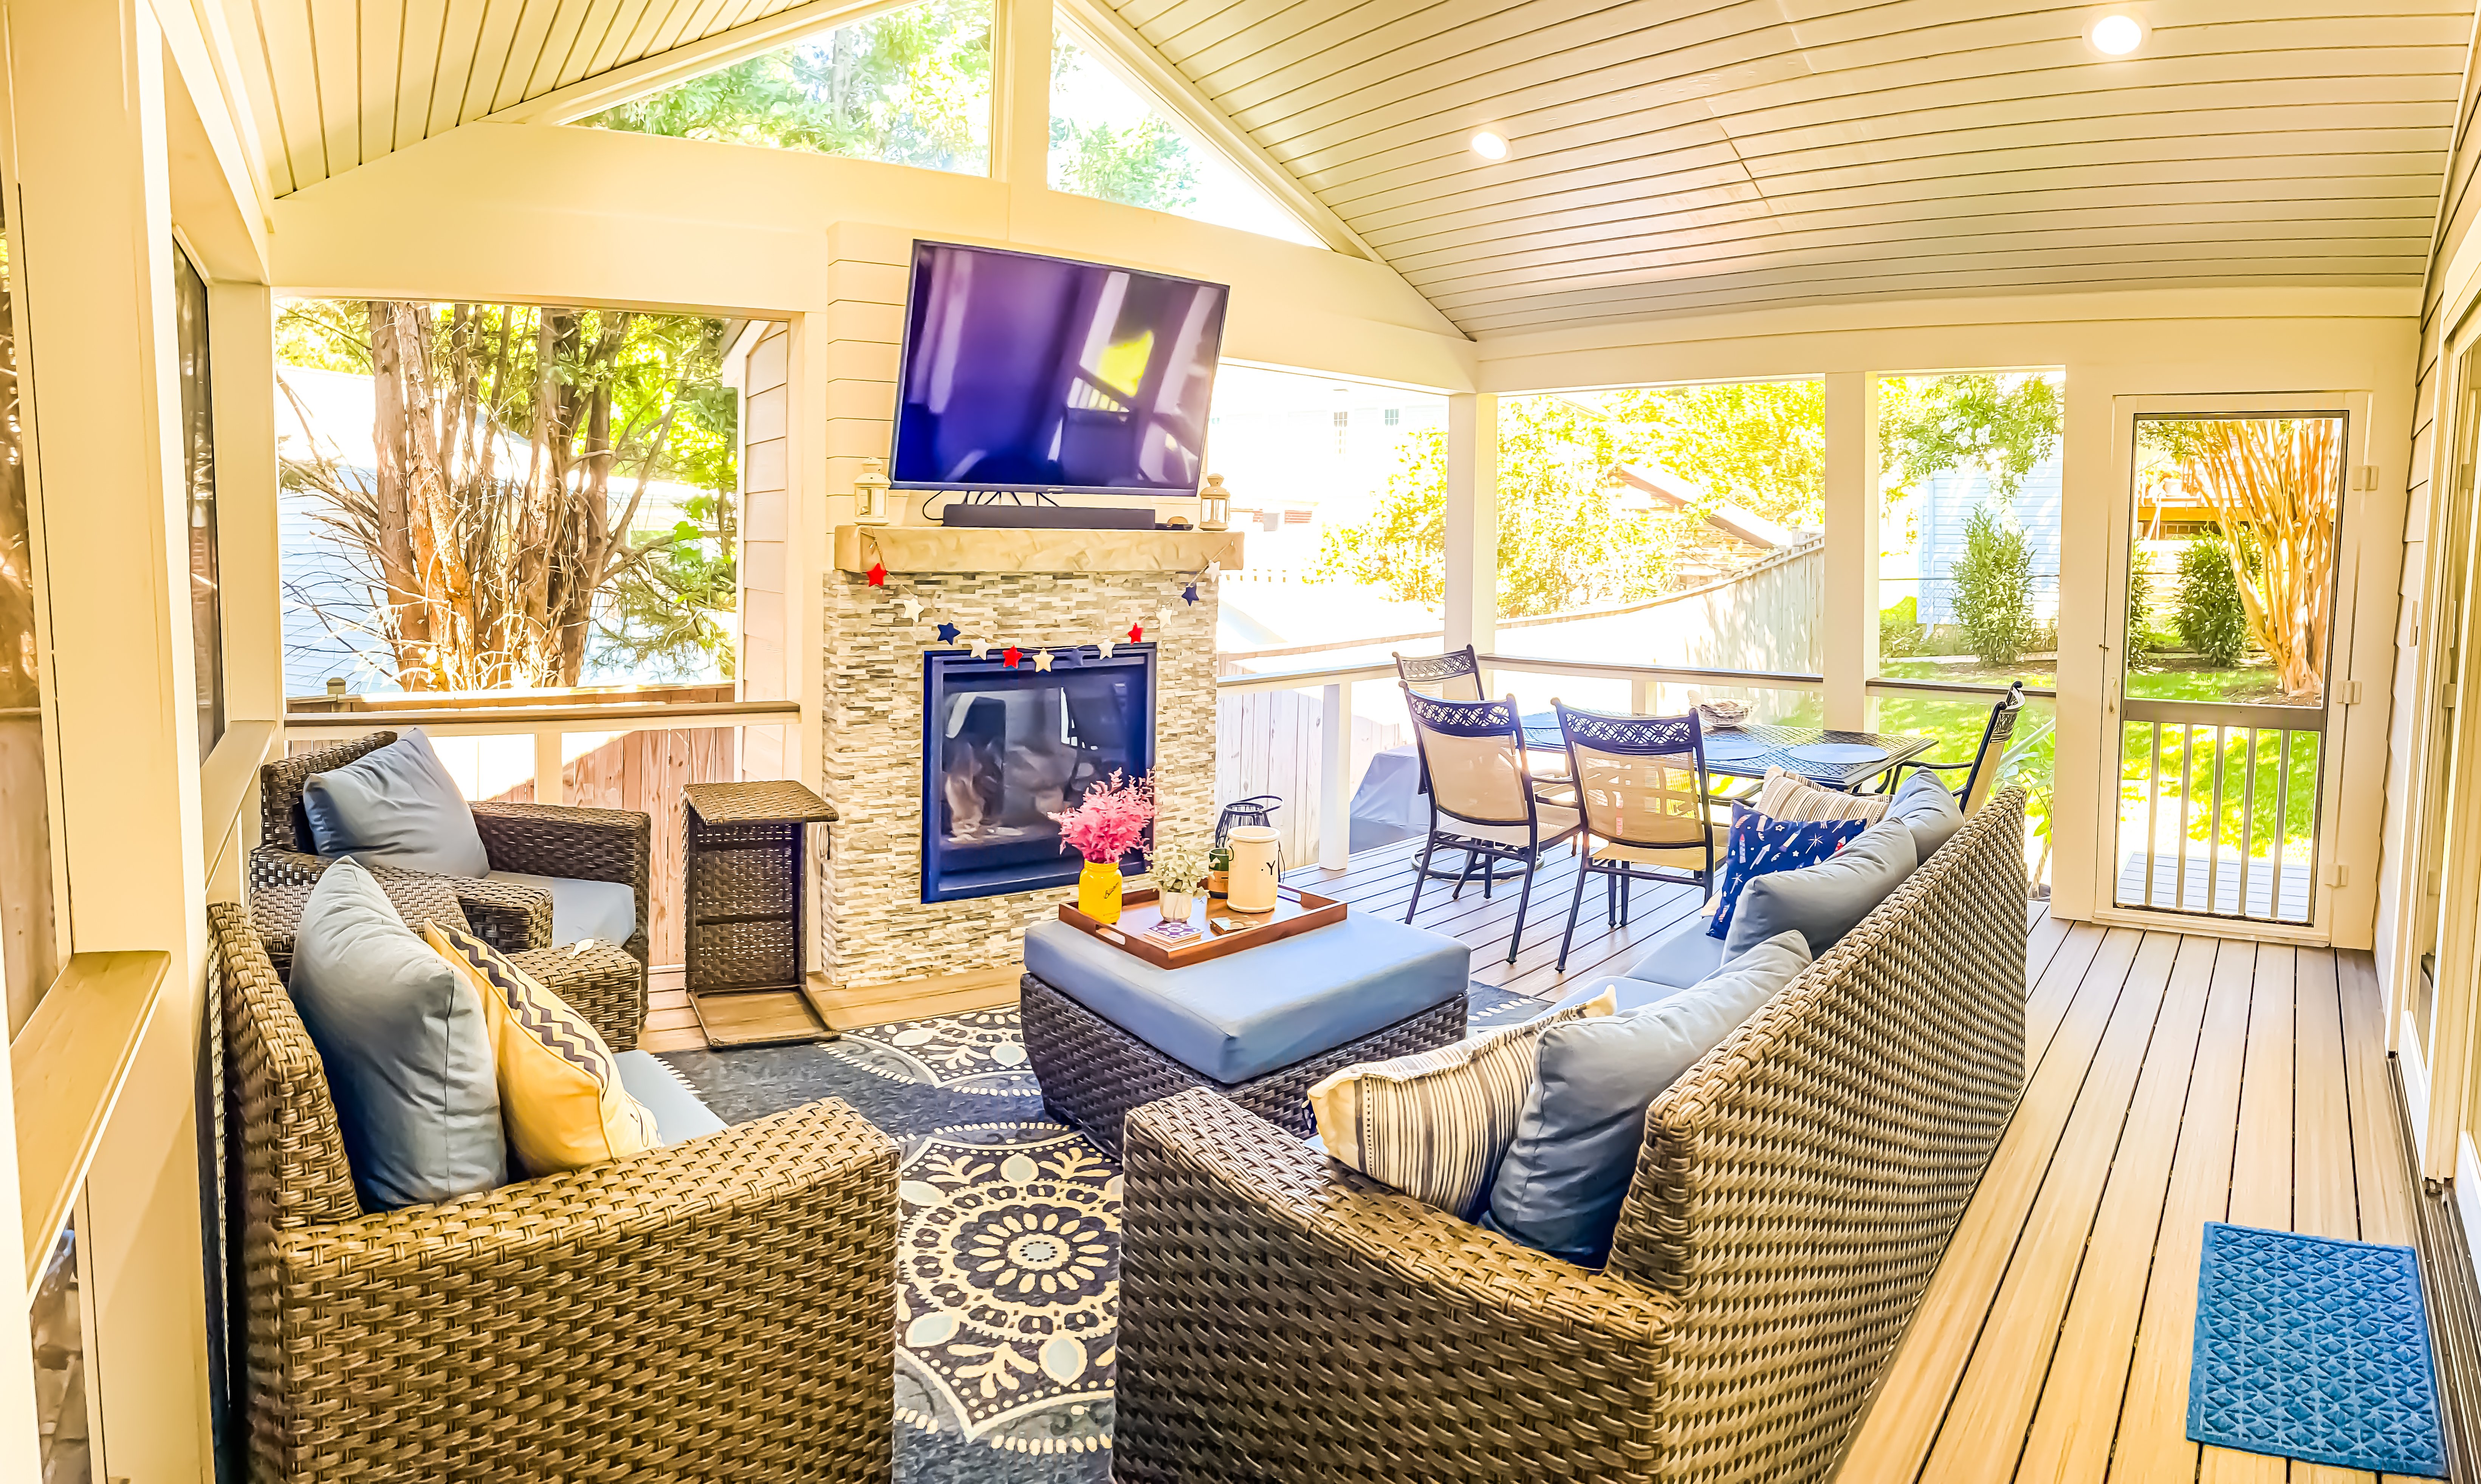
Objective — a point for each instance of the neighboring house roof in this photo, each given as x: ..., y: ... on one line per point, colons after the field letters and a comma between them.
x: 1669, y: 491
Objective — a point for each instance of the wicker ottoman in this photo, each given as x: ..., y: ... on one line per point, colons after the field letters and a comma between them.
x: 1365, y: 989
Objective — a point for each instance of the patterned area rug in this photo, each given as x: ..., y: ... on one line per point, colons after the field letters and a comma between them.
x: 1008, y: 1253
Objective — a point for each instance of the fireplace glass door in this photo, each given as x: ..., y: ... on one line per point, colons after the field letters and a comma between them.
x: 1006, y: 747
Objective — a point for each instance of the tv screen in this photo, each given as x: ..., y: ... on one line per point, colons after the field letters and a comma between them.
x: 1027, y: 373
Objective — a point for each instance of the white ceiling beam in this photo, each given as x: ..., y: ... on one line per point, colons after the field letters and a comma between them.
x: 592, y: 95
x: 1134, y: 60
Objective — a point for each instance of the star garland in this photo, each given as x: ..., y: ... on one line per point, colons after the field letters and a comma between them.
x: 914, y: 612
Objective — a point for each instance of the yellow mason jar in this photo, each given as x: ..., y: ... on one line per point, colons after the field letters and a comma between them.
x: 1098, y: 890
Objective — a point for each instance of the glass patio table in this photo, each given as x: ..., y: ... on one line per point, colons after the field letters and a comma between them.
x: 1842, y: 761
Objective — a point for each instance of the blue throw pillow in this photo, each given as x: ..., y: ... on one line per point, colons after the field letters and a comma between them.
x: 396, y: 806
x: 405, y: 1045
x: 1562, y: 1184
x: 1762, y: 844
x: 1826, y: 901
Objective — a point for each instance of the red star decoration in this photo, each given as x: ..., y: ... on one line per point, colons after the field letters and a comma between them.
x: 1136, y: 633
x: 1010, y: 655
x: 878, y: 574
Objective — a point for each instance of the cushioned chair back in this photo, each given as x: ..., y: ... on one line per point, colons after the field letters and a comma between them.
x: 1454, y: 676
x: 1984, y: 776
x: 282, y: 824
x: 288, y: 1152
x: 1641, y: 779
x: 1798, y: 1185
x: 1474, y: 752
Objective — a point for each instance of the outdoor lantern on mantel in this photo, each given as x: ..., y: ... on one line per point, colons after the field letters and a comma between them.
x: 870, y: 493
x: 1213, y: 505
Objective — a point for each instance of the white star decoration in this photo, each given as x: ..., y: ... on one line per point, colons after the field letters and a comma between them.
x: 912, y: 609
x: 1107, y: 649
x: 1042, y: 659
x: 1163, y: 615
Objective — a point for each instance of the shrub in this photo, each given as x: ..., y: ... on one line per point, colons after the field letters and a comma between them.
x: 1993, y: 587
x: 2141, y: 637
x: 1900, y: 629
x: 2211, y: 620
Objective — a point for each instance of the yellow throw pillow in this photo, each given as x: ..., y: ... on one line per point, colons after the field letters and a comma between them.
x: 559, y: 1089
x: 1434, y: 1124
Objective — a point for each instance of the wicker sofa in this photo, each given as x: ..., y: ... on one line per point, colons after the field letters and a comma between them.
x: 716, y: 1309
x: 1282, y: 1317
x: 541, y: 840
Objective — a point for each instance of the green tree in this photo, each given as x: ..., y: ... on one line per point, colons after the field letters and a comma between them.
x: 2141, y: 638
x: 911, y: 87
x: 516, y: 448
x: 1146, y: 165
x: 2007, y: 423
x: 1993, y: 587
x: 1760, y: 445
x: 1564, y: 541
x: 2211, y: 618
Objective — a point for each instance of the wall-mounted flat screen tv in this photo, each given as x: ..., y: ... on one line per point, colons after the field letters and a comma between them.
x: 1024, y: 372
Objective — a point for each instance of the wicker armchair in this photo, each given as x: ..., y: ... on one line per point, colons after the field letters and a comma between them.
x: 1282, y: 1317
x: 542, y: 840
x: 719, y: 1308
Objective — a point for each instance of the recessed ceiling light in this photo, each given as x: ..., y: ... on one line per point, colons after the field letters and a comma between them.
x: 1489, y: 145
x: 2116, y: 35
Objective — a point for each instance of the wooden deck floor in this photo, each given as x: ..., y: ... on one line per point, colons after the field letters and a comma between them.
x: 2173, y: 1080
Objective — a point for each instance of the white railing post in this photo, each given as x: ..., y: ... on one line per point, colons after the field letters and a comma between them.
x: 549, y: 786
x: 1335, y: 766
x: 1640, y: 697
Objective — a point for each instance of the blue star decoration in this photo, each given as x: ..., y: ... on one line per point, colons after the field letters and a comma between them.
x: 1189, y: 594
x: 948, y: 632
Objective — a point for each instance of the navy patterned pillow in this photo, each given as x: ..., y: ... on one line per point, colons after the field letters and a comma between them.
x: 1762, y: 844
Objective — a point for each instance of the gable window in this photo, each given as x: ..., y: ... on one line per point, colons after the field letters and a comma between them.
x: 1108, y: 141
x: 909, y: 87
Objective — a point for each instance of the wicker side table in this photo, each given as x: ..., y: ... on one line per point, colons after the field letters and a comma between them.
x: 744, y: 910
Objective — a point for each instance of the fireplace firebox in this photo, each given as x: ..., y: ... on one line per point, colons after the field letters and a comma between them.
x: 1004, y: 747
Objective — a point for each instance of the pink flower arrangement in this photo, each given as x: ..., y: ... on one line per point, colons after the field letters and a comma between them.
x: 1111, y: 821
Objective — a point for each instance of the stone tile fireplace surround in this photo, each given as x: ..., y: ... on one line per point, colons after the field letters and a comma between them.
x: 1030, y: 589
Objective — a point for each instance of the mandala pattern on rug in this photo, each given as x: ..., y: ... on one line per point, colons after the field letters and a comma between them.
x: 979, y: 1052
x: 1007, y: 1298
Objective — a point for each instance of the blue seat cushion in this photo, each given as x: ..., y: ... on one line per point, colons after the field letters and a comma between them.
x: 396, y: 806
x: 405, y: 1045
x: 1561, y: 1183
x: 1826, y: 901
x: 1265, y: 1008
x: 679, y: 1112
x: 1928, y: 810
x: 606, y: 911
x: 1686, y: 954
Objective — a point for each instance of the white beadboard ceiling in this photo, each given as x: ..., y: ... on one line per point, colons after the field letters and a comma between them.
x: 340, y: 83
x: 1670, y: 156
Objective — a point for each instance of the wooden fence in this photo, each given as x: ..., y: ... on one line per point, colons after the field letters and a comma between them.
x: 1266, y: 742
x: 643, y: 772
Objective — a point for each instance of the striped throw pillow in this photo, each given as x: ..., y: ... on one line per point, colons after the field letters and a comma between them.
x: 1434, y: 1124
x: 1787, y: 795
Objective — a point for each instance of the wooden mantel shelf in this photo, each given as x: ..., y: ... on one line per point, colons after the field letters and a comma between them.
x: 980, y: 548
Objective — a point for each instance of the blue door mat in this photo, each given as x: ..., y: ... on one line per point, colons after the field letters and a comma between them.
x: 2316, y: 1349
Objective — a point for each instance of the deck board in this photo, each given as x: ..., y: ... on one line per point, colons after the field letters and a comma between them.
x: 2173, y: 1078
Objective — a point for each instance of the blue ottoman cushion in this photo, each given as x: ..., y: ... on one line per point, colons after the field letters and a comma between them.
x: 1258, y: 1012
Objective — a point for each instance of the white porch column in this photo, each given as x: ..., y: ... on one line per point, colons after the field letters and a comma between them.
x: 1847, y: 647
x: 1473, y: 520
x: 1021, y: 93
x: 94, y: 253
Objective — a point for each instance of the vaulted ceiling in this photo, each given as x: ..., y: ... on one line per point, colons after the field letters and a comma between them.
x: 1668, y: 155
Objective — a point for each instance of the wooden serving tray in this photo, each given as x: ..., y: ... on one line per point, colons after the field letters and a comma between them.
x: 1295, y: 912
